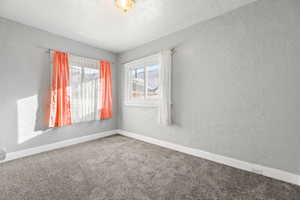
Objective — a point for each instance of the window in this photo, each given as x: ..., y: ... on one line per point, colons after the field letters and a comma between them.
x: 81, y: 90
x: 142, y: 82
x: 84, y: 82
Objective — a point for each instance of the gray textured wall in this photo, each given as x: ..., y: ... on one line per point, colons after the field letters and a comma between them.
x: 24, y: 83
x: 235, y: 86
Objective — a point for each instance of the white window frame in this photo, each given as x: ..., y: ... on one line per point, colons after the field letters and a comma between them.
x: 141, y: 63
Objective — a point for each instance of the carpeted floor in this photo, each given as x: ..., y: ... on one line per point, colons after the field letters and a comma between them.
x: 117, y: 167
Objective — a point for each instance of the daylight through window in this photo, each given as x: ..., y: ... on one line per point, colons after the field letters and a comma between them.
x: 142, y: 81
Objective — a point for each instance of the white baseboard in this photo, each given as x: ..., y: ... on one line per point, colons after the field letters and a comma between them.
x: 266, y: 171
x: 57, y: 145
x: 258, y: 169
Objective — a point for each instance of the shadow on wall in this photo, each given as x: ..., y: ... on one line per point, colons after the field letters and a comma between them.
x: 33, y: 113
x: 30, y: 110
x: 30, y: 119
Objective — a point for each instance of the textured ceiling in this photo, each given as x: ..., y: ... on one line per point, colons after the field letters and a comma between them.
x: 99, y: 23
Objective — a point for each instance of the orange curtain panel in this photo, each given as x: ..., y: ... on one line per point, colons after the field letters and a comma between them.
x: 106, y: 90
x: 60, y: 111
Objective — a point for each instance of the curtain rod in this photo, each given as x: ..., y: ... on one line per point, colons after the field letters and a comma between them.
x: 74, y: 54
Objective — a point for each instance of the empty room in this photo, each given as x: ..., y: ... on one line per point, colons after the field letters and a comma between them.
x: 150, y: 100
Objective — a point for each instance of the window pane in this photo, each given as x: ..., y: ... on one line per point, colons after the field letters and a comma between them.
x: 75, y: 84
x: 90, y: 90
x: 138, y: 83
x: 84, y: 83
x: 152, y: 81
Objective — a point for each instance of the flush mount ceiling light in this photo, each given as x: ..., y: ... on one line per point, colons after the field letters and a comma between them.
x: 125, y: 5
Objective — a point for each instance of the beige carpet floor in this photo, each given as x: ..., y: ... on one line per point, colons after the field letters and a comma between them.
x: 120, y: 168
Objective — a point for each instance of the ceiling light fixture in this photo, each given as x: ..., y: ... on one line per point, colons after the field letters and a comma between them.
x: 125, y: 5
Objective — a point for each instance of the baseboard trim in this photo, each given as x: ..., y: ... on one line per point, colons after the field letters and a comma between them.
x: 255, y: 168
x: 57, y: 145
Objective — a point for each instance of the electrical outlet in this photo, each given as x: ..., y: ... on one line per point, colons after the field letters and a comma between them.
x: 2, y: 154
x: 257, y: 171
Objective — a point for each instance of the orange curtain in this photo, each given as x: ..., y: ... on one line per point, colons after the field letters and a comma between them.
x: 106, y: 90
x: 60, y: 111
